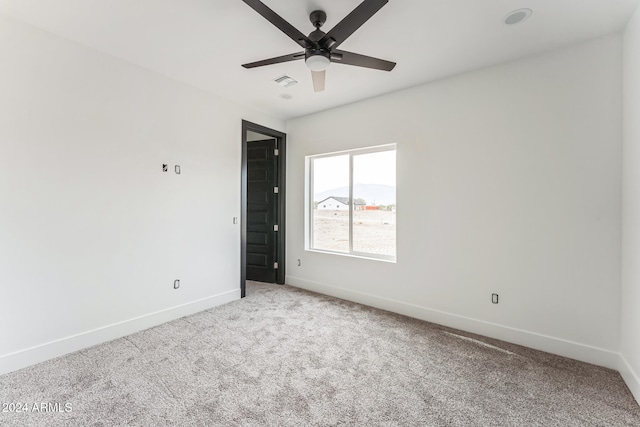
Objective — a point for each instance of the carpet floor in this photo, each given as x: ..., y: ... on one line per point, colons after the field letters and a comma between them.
x: 288, y: 357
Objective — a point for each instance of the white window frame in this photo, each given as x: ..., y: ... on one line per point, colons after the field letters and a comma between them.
x: 310, y: 202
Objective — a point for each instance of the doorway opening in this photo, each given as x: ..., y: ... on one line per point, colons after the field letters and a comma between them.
x: 263, y: 205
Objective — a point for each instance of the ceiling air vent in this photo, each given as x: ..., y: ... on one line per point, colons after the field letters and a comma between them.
x: 285, y: 81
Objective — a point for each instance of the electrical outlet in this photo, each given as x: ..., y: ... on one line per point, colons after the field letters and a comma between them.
x: 299, y: 263
x: 176, y: 284
x: 165, y: 167
x: 494, y: 298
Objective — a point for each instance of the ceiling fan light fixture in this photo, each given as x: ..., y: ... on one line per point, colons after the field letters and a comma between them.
x: 317, y: 62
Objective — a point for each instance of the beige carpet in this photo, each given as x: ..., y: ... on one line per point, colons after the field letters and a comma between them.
x: 287, y: 357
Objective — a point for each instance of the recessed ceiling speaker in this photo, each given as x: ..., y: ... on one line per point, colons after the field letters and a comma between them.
x: 517, y: 16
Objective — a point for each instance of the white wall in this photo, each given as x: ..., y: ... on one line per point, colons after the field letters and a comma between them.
x: 92, y: 233
x: 508, y: 182
x: 630, y: 368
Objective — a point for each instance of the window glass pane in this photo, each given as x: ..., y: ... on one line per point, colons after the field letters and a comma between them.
x: 374, y: 194
x: 330, y: 217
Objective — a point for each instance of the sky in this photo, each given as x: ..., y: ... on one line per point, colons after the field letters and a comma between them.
x: 371, y: 168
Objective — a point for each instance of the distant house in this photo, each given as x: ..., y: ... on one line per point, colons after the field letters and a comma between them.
x: 333, y: 203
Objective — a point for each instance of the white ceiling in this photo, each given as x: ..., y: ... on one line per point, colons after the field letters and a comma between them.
x: 203, y: 42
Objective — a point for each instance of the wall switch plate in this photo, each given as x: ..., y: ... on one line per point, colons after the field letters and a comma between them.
x: 494, y: 298
x: 176, y: 284
x: 178, y: 169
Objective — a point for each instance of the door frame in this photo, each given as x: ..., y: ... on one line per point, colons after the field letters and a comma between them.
x: 281, y: 141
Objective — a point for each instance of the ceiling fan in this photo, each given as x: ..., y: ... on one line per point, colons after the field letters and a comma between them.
x: 320, y: 48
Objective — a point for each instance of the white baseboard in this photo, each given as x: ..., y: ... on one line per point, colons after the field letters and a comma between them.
x: 630, y: 377
x: 570, y: 349
x: 31, y: 356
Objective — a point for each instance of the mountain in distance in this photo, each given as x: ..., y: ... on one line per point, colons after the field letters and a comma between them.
x: 374, y: 194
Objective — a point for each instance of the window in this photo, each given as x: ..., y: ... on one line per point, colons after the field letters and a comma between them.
x: 352, y: 202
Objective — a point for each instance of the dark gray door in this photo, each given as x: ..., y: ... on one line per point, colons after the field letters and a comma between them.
x: 262, y: 174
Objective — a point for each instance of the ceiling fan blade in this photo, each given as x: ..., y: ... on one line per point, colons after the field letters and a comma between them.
x: 318, y: 80
x: 280, y: 23
x: 351, y: 23
x: 350, y: 58
x: 276, y: 60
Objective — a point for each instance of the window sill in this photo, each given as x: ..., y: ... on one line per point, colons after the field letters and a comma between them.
x: 390, y: 260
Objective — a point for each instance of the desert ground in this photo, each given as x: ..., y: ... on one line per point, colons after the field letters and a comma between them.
x: 374, y: 232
